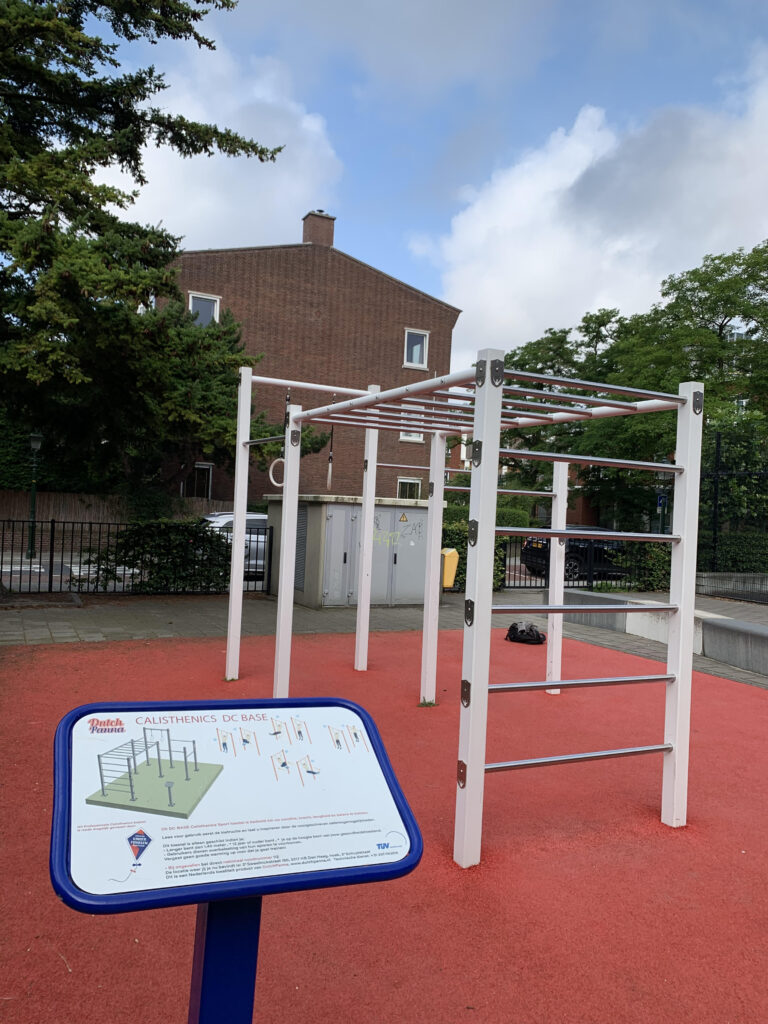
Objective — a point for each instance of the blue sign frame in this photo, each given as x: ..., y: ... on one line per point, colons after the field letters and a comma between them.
x: 210, y: 891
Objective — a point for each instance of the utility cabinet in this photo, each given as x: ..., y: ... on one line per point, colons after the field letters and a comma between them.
x: 328, y: 550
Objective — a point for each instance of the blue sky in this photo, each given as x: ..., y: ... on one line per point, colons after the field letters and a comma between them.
x: 526, y: 161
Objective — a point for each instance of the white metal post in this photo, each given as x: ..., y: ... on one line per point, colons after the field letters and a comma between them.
x: 433, y: 583
x: 477, y: 608
x: 557, y: 573
x: 682, y: 592
x: 284, y: 629
x: 365, y: 567
x: 237, y: 555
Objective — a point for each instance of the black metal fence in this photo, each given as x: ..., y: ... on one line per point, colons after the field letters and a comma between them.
x: 589, y: 564
x: 126, y: 558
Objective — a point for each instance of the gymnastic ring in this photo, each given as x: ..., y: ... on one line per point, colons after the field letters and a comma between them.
x: 275, y: 483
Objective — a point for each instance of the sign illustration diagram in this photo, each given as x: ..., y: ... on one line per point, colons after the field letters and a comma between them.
x: 141, y: 774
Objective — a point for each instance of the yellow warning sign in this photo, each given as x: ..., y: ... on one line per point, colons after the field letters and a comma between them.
x: 403, y: 518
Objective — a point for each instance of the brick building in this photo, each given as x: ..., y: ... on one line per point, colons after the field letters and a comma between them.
x: 319, y: 315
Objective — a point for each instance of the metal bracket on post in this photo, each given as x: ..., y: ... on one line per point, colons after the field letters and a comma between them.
x: 295, y: 438
x: 698, y: 402
x: 472, y: 532
x: 497, y: 372
x: 365, y: 465
x: 461, y: 774
x: 477, y: 453
x: 431, y: 488
x: 466, y: 692
x: 480, y: 373
x: 469, y: 612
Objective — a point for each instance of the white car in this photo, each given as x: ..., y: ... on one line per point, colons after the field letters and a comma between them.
x: 255, y: 538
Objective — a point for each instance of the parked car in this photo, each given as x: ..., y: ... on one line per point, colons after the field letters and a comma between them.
x: 255, y: 538
x: 582, y: 555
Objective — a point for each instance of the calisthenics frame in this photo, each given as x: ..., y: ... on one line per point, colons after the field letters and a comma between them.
x: 481, y: 402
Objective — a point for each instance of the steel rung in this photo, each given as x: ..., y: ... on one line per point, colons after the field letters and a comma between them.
x: 572, y: 684
x: 581, y: 609
x: 595, y: 755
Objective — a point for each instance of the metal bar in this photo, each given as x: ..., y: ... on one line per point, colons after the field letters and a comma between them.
x: 288, y: 527
x: 583, y: 609
x: 473, y: 715
x: 399, y: 465
x: 557, y: 573
x: 574, y: 684
x: 563, y: 397
x: 590, y: 460
x: 366, y: 400
x: 306, y: 386
x: 535, y: 531
x: 237, y: 553
x: 405, y: 420
x: 373, y: 422
x: 433, y: 583
x: 265, y: 440
x: 365, y: 568
x: 590, y: 385
x: 595, y: 755
x: 682, y: 590
x: 502, y: 490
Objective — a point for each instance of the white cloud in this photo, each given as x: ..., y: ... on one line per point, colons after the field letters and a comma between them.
x: 596, y: 217
x: 220, y: 201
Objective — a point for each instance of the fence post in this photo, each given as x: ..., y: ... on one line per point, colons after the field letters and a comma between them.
x: 51, y: 538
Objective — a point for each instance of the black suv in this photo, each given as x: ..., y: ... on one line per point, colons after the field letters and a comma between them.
x: 583, y: 555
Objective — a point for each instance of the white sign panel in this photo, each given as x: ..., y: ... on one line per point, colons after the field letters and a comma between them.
x: 176, y: 797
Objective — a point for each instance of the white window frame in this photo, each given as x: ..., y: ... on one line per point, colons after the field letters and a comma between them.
x: 409, y: 480
x: 416, y: 366
x: 210, y: 466
x: 413, y: 436
x: 203, y: 295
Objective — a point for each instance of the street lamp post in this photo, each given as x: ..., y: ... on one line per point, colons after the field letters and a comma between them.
x: 35, y: 440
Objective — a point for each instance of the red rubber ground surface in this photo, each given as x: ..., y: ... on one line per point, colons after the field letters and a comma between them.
x: 585, y: 908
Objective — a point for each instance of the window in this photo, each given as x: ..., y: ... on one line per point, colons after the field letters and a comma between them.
x: 412, y: 435
x: 408, y: 488
x: 198, y: 483
x: 206, y: 307
x: 416, y: 344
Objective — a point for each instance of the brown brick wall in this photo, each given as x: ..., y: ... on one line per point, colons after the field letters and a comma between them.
x: 318, y: 315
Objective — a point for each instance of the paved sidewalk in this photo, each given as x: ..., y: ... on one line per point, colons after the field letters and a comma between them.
x: 27, y: 620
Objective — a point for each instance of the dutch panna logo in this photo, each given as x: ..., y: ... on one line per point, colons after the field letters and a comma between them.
x: 101, y: 725
x: 138, y: 843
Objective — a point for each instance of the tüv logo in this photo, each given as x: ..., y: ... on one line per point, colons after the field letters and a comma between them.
x: 382, y: 846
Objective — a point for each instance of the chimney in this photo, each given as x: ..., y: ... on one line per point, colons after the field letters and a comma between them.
x: 318, y: 228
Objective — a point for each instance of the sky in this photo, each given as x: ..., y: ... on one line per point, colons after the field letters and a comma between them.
x: 527, y: 161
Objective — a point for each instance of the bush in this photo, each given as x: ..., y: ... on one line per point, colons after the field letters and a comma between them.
x: 742, y: 551
x: 164, y: 557
x: 647, y: 565
x: 455, y: 536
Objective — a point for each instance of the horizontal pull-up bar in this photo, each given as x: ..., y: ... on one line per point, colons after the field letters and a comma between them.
x: 501, y: 490
x: 400, y: 465
x: 582, y: 609
x: 573, y: 684
x: 595, y: 755
x: 367, y: 399
x: 591, y: 385
x: 533, y: 531
x: 306, y: 386
x: 614, y: 403
x: 590, y: 460
x: 266, y: 440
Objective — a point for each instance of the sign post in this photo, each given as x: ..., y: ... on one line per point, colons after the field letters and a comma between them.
x: 219, y: 803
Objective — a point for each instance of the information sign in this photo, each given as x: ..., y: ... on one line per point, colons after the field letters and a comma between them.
x: 168, y: 803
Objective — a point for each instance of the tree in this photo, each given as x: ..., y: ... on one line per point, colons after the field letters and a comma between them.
x: 96, y: 349
x: 711, y: 326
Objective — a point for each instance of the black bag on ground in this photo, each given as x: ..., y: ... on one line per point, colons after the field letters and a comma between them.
x: 525, y: 633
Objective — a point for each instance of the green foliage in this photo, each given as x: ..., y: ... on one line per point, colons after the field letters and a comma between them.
x: 711, y: 326
x: 115, y: 385
x: 162, y: 558
x: 647, y: 565
x: 455, y: 536
x: 745, y: 551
